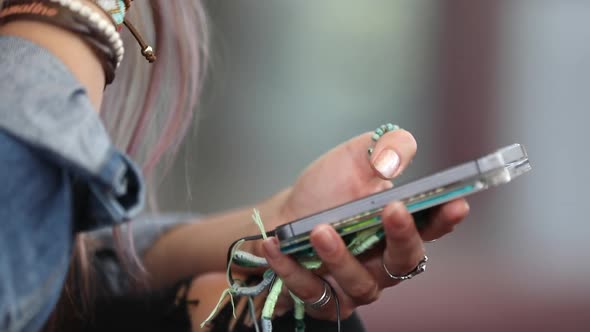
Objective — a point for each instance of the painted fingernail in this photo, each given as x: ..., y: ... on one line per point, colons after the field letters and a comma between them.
x: 271, y: 247
x: 326, y: 241
x: 387, y: 163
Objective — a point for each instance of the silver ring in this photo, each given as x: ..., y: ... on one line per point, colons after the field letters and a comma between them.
x: 421, y: 267
x: 323, y: 300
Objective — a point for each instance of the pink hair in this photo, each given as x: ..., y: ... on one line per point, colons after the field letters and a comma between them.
x: 147, y: 110
x: 149, y: 107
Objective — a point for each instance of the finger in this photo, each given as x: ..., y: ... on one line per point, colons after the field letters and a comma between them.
x: 352, y: 277
x: 299, y: 280
x: 404, y: 246
x: 444, y: 218
x: 392, y: 153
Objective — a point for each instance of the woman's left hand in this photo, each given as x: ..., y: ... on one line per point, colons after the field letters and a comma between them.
x: 344, y: 174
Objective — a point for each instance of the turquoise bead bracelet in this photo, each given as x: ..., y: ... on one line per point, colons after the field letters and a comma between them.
x: 380, y: 131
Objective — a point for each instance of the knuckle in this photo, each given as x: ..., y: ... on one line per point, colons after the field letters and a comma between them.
x: 400, y: 231
x: 306, y: 295
x: 338, y: 258
x: 281, y: 265
x: 285, y: 271
x: 364, y: 292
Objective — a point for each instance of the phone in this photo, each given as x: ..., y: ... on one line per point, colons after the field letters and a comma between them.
x: 350, y: 218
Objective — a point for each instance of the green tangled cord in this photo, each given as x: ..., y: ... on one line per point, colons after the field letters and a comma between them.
x: 362, y: 242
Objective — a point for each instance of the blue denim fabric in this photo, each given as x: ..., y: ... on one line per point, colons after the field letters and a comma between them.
x: 120, y: 202
x: 35, y: 235
x: 59, y: 173
x: 45, y: 107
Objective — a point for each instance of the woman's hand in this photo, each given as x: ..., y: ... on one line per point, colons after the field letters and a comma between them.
x: 344, y: 174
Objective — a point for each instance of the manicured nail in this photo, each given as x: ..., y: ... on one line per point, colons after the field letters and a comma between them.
x: 387, y: 163
x: 271, y: 247
x: 326, y: 241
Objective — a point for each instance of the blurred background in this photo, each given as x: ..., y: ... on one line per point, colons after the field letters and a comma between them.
x: 291, y: 79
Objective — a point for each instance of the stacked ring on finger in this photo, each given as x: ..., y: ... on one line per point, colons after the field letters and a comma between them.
x: 421, y: 267
x: 322, y: 300
x: 380, y: 131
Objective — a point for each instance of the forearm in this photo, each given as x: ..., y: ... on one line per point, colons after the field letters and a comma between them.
x: 70, y: 48
x: 195, y: 248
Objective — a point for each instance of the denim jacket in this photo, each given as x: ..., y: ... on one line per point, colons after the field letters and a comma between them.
x: 59, y: 174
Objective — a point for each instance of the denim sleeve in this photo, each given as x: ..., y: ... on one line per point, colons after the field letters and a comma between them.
x: 52, y: 142
x: 44, y: 106
x: 35, y: 235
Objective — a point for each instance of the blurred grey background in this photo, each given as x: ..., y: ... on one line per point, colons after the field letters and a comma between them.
x: 291, y: 79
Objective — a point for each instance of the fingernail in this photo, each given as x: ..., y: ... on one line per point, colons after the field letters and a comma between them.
x: 387, y: 163
x: 467, y: 208
x: 326, y: 241
x: 271, y: 248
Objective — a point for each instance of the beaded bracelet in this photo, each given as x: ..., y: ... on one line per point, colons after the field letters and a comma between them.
x: 117, y: 10
x: 380, y: 131
x: 76, y: 17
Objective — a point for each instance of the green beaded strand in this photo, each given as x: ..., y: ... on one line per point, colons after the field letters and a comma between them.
x: 380, y: 131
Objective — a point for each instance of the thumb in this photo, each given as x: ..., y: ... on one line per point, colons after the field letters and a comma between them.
x: 392, y: 153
